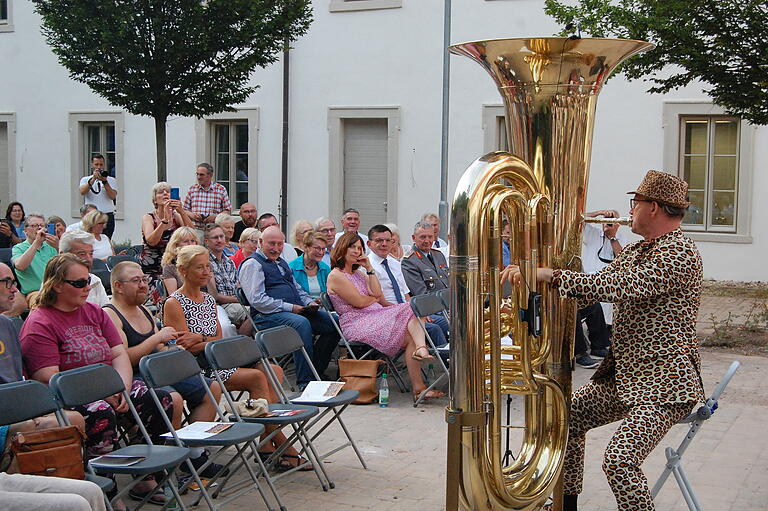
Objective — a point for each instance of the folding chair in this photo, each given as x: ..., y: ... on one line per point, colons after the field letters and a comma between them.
x: 243, y: 351
x: 325, y: 300
x: 283, y: 340
x: 423, y: 306
x: 24, y: 400
x: 5, y: 255
x: 172, y: 366
x: 445, y: 298
x: 101, y: 270
x: 114, y: 260
x: 87, y: 384
x: 675, y: 456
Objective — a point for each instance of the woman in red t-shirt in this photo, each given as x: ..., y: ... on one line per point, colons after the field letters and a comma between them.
x: 66, y: 332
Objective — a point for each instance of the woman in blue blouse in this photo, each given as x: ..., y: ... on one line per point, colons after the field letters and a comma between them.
x: 309, y: 270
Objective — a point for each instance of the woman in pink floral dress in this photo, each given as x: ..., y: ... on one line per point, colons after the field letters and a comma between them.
x: 356, y: 295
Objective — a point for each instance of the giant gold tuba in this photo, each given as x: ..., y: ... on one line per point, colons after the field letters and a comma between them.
x: 550, y: 88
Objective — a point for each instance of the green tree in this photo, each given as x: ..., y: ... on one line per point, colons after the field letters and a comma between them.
x: 721, y: 43
x: 162, y: 58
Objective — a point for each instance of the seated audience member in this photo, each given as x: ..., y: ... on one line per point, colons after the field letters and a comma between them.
x: 223, y: 283
x: 268, y: 220
x: 59, y: 225
x: 325, y: 226
x: 309, y: 270
x: 350, y: 222
x: 95, y: 222
x: 390, y: 275
x: 11, y: 370
x: 365, y: 315
x: 182, y: 237
x: 80, y: 243
x: 22, y: 492
x: 300, y: 228
x: 29, y: 259
x: 16, y: 216
x: 248, y: 217
x: 439, y: 243
x: 396, y: 250
x: 277, y: 299
x: 158, y: 226
x: 227, y: 224
x: 506, y: 232
x: 140, y: 335
x: 192, y: 313
x: 66, y: 332
x: 8, y: 236
x: 249, y: 243
x: 84, y: 210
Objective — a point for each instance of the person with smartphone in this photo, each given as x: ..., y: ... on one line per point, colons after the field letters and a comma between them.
x: 158, y: 226
x: 30, y: 257
x: 100, y: 189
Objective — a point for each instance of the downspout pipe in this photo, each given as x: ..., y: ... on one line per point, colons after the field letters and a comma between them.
x: 284, y: 170
x: 443, y: 208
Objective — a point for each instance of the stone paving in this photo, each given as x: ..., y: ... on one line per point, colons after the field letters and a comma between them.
x: 405, y: 450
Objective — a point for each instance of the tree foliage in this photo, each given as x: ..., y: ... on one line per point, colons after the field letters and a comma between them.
x: 160, y: 58
x: 721, y: 43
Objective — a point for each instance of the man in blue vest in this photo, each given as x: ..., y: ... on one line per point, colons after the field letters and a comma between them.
x: 277, y: 299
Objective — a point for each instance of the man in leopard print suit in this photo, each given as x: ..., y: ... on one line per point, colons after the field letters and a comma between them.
x: 650, y: 378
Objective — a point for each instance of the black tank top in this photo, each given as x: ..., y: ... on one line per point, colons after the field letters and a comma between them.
x: 134, y: 338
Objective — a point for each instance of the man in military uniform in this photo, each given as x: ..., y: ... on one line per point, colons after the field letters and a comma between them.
x: 425, y: 269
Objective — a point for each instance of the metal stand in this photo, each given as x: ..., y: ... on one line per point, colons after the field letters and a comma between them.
x: 675, y: 456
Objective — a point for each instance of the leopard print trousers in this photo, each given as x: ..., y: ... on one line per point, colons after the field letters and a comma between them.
x: 643, y: 426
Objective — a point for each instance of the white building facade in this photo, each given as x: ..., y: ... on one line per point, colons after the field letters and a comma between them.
x: 365, y: 129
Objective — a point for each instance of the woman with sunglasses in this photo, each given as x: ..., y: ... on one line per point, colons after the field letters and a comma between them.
x: 67, y: 332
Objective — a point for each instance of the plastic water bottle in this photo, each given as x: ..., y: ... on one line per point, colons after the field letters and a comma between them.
x: 170, y: 498
x: 383, y: 391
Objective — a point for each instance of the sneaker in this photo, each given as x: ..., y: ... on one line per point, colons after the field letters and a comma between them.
x: 585, y: 361
x: 598, y: 353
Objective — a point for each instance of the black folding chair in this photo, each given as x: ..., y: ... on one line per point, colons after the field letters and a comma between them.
x: 445, y: 298
x: 77, y: 387
x: 391, y: 366
x: 172, y: 366
x: 241, y: 351
x: 284, y: 340
x: 424, y: 306
x: 114, y: 260
x: 24, y: 400
x: 5, y: 255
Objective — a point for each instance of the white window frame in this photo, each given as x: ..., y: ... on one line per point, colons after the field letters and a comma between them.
x: 77, y: 155
x: 9, y: 118
x: 336, y: 117
x: 205, y: 139
x: 363, y: 5
x: 673, y: 111
x: 6, y: 25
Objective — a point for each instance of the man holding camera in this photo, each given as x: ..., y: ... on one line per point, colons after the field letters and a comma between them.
x: 277, y: 299
x: 100, y: 189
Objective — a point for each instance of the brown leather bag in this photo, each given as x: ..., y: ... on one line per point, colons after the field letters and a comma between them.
x: 360, y: 375
x: 56, y: 452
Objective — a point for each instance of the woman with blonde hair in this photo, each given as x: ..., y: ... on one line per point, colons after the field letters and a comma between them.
x: 300, y: 228
x: 192, y: 312
x: 181, y: 237
x: 95, y: 222
x: 158, y: 226
x: 227, y: 224
x: 249, y: 243
x: 309, y: 270
x: 397, y: 251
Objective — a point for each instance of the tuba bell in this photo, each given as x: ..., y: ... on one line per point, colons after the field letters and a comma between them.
x: 538, y: 189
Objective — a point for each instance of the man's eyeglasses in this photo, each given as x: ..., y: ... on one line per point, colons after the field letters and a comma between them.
x: 633, y: 202
x: 9, y: 282
x: 137, y: 280
x: 380, y: 241
x: 79, y: 283
x: 35, y: 226
x: 329, y: 229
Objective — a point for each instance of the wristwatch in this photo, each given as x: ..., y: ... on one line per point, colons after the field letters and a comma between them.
x: 370, y: 273
x: 166, y: 221
x: 613, y: 239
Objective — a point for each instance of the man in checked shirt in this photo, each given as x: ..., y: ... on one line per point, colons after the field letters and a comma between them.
x: 206, y: 199
x: 651, y: 376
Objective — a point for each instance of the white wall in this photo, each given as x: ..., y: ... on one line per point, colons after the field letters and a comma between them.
x: 390, y: 57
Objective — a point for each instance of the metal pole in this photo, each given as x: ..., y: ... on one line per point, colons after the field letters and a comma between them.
x: 283, y: 207
x: 443, y: 209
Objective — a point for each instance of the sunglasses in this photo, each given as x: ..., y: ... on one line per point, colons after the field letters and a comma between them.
x: 79, y: 283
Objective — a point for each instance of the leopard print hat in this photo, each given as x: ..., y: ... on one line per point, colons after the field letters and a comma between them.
x: 664, y: 187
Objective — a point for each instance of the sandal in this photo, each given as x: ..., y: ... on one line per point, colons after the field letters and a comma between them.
x: 157, y: 498
x: 418, y: 357
x: 432, y: 394
x: 306, y: 466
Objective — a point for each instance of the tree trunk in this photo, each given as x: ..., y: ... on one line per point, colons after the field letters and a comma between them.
x: 160, y: 145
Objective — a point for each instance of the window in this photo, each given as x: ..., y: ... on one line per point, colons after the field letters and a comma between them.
x: 230, y: 150
x: 96, y: 133
x: 712, y: 151
x: 99, y: 139
x: 6, y: 16
x: 709, y: 159
x: 362, y: 5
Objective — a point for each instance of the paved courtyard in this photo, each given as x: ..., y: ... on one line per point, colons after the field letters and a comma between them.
x: 405, y: 450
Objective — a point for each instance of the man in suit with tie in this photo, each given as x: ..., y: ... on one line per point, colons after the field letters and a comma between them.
x: 390, y: 275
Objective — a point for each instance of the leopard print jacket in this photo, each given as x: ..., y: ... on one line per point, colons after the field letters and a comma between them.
x: 655, y: 286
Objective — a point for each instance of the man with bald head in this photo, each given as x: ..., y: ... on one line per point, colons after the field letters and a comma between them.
x: 277, y: 299
x: 248, y: 216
